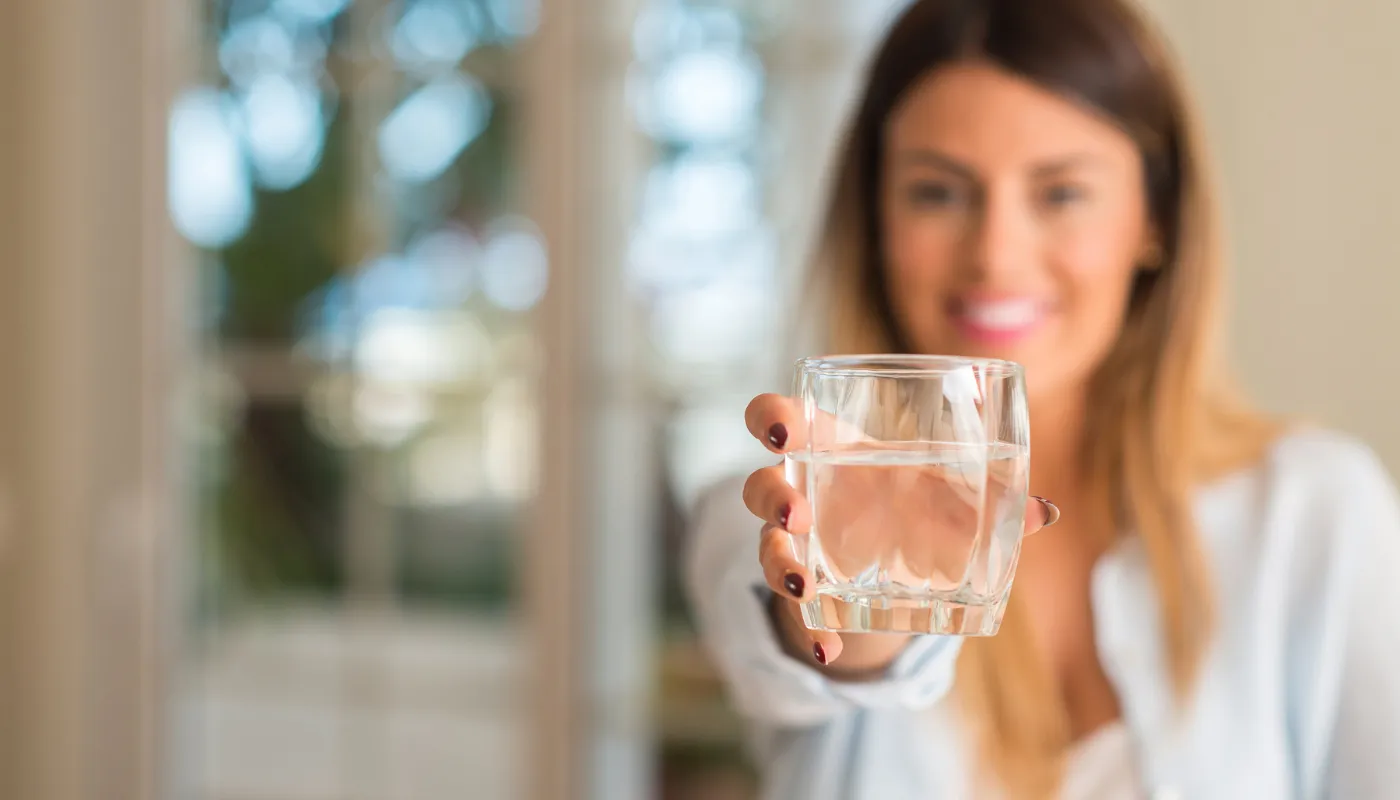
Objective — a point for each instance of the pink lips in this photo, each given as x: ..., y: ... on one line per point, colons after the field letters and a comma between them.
x: 997, y: 320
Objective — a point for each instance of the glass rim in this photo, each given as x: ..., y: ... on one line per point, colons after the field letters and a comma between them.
x: 902, y: 365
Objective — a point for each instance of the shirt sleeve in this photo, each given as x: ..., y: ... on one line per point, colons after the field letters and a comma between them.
x: 730, y: 599
x: 1363, y: 755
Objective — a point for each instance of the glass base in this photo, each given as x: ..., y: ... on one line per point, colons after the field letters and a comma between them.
x: 845, y: 611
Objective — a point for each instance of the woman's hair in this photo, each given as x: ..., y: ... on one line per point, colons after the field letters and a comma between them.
x: 1162, y: 419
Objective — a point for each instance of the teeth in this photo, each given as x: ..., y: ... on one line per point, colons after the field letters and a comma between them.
x: 1003, y: 314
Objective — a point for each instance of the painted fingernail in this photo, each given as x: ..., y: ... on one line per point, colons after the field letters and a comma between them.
x: 818, y: 653
x: 777, y: 435
x: 1052, y: 511
x: 783, y: 514
x: 794, y: 584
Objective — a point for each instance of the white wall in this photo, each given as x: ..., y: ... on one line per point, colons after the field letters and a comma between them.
x: 1302, y: 103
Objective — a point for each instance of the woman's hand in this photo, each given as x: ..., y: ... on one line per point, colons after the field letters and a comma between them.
x: 924, y: 515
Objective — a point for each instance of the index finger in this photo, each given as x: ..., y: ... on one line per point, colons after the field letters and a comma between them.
x: 781, y: 424
x: 777, y: 422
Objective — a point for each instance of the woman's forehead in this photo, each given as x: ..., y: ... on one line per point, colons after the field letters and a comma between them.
x: 976, y: 112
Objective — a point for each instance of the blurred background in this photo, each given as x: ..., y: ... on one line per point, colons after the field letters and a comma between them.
x: 362, y: 358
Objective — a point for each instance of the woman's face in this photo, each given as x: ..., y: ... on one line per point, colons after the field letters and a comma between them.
x: 1013, y: 223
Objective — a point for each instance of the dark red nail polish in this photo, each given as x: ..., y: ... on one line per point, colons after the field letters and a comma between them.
x: 783, y: 514
x: 777, y: 435
x: 819, y: 654
x: 794, y: 584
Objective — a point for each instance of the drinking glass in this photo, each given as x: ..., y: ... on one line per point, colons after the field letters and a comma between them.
x: 916, y: 469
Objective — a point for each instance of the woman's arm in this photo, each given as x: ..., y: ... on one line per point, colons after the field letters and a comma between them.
x: 1338, y: 511
x: 1363, y: 758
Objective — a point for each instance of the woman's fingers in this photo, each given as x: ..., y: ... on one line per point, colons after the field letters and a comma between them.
x: 1040, y: 513
x: 782, y: 425
x: 781, y: 570
x: 826, y: 645
x: 792, y: 585
x: 777, y: 422
x: 770, y: 498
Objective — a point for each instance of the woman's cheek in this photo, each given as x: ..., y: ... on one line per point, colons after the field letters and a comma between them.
x: 1096, y: 275
x: 919, y: 253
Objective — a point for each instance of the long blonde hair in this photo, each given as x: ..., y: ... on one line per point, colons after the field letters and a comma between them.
x: 1164, y: 417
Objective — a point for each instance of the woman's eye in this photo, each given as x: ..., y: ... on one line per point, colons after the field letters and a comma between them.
x: 934, y: 195
x: 1063, y: 194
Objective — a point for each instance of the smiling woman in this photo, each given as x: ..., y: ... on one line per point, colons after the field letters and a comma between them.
x: 1023, y: 179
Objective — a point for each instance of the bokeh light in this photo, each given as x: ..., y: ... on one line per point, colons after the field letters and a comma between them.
x: 386, y: 414
x: 661, y: 261
x: 449, y: 258
x: 435, y: 34
x: 211, y: 201
x: 515, y: 265
x: 256, y: 46
x: 423, y: 135
x: 284, y: 129
x: 516, y: 19
x: 311, y: 11
x: 663, y: 29
x: 700, y: 196
x: 422, y: 348
x: 703, y: 96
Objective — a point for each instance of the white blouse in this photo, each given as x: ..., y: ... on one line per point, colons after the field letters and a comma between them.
x: 1102, y: 767
x: 1299, y: 695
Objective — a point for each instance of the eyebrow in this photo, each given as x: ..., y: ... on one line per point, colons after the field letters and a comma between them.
x: 932, y: 158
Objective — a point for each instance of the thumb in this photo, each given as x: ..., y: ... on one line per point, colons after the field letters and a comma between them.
x: 1041, y: 514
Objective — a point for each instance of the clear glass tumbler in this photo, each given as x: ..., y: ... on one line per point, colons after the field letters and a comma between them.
x: 916, y: 469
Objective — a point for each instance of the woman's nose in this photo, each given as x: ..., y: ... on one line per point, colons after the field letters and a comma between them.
x: 1002, y: 236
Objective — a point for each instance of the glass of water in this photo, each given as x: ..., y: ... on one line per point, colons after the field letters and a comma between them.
x: 916, y: 469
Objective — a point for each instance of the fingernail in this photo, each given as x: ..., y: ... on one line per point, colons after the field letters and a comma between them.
x: 777, y: 435
x: 794, y: 584
x: 818, y: 653
x: 1052, y: 511
x: 783, y: 514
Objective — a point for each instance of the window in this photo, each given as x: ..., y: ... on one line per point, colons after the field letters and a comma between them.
x: 369, y: 395
x: 369, y: 402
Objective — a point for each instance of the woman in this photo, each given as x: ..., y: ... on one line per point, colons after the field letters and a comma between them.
x: 1215, y: 615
